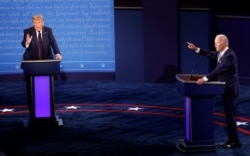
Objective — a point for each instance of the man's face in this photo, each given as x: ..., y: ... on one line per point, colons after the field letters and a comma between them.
x: 219, y: 44
x: 38, y: 24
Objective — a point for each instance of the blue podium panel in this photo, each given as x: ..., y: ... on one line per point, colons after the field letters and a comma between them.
x: 199, y: 120
x: 199, y: 103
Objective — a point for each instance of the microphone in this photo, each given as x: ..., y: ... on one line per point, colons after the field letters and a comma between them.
x: 193, y: 69
x: 196, y: 65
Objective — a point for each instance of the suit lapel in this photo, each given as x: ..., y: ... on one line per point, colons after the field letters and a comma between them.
x: 34, y: 38
x: 44, y: 36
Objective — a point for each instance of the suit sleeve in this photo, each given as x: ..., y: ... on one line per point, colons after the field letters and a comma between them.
x: 53, y: 42
x: 225, y: 65
x: 24, y: 38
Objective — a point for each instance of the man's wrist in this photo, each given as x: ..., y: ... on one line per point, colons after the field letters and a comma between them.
x: 205, y: 78
x: 27, y: 44
x: 197, y: 50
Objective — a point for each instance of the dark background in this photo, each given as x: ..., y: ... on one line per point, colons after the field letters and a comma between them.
x: 128, y: 3
x: 234, y: 7
x: 197, y: 21
x: 150, y: 39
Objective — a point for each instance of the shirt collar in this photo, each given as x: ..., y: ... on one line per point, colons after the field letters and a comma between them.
x: 223, y: 51
x: 40, y: 31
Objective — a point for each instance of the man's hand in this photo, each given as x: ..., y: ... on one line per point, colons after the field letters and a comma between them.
x: 192, y: 46
x: 200, y: 81
x: 28, y: 38
x: 58, y: 56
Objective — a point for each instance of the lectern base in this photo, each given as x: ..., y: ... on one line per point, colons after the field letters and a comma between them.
x: 43, y: 123
x: 183, y: 147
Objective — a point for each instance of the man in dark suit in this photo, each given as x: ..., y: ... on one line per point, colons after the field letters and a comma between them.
x: 226, y: 71
x: 31, y: 41
x: 40, y: 44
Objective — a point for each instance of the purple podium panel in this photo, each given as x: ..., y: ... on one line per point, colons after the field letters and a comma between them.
x: 40, y: 91
x: 187, y: 118
x: 42, y: 96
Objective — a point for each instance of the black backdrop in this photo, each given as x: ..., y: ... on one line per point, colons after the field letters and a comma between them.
x: 226, y: 7
x: 128, y: 3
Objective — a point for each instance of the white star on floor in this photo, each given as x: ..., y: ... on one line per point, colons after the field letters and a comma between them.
x: 6, y: 110
x: 72, y: 107
x: 241, y: 123
x: 134, y: 108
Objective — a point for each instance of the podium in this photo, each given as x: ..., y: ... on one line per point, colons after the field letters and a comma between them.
x: 199, y: 104
x: 40, y: 92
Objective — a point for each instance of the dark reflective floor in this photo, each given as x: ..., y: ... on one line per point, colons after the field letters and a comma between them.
x: 111, y: 118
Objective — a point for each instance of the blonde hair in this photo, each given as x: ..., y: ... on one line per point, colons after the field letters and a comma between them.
x: 37, y: 17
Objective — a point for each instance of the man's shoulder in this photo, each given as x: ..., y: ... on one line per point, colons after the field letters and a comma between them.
x: 47, y: 28
x: 230, y: 51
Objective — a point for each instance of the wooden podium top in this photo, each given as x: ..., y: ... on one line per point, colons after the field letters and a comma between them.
x: 40, y: 61
x: 186, y: 78
x: 190, y: 88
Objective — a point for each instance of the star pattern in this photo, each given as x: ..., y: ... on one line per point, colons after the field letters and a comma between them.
x: 72, y: 107
x: 241, y: 123
x: 103, y: 65
x: 81, y: 65
x: 7, y: 110
x: 135, y: 108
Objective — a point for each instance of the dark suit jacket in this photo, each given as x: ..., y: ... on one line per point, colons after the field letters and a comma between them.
x: 31, y: 53
x: 226, y: 70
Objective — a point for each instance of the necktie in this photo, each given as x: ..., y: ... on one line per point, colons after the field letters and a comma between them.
x: 40, y: 45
